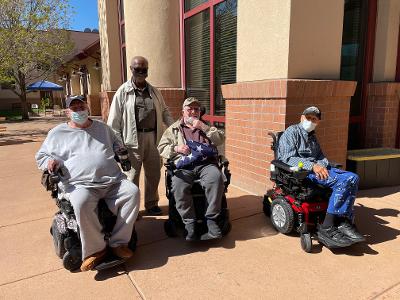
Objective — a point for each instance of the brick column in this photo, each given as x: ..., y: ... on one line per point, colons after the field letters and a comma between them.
x: 255, y: 108
x: 382, y: 114
x: 93, y: 102
x: 173, y: 98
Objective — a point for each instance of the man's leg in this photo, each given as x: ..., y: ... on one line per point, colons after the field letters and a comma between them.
x: 135, y: 157
x: 84, y: 202
x: 212, y: 181
x: 123, y: 199
x: 152, y: 172
x: 182, y: 182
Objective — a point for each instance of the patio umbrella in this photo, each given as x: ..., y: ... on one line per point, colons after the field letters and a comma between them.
x: 43, y: 85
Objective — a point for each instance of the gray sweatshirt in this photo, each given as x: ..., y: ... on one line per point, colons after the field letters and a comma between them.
x: 86, y: 155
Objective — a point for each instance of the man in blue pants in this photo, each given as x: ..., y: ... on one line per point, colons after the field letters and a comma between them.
x: 299, y: 144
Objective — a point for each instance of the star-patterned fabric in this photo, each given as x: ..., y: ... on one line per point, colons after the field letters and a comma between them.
x: 199, y: 153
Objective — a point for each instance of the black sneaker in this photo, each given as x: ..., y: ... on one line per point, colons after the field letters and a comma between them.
x: 351, y: 232
x: 191, y: 232
x: 154, y: 211
x: 332, y: 238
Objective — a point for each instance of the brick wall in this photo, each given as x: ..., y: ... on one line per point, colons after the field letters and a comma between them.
x: 94, y: 105
x: 382, y: 118
x: 105, y: 102
x: 255, y: 108
x: 173, y: 98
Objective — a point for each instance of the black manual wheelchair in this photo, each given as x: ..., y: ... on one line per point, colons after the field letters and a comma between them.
x: 65, y: 229
x: 174, y: 225
x: 294, y: 203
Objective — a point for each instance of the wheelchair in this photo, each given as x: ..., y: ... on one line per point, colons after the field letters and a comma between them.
x: 65, y: 229
x: 174, y: 225
x: 294, y: 203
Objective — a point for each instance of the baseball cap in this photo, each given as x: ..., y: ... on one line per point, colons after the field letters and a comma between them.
x: 72, y: 98
x: 190, y: 100
x: 313, y: 110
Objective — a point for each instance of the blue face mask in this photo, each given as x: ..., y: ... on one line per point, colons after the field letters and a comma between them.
x: 79, y: 117
x: 308, y: 125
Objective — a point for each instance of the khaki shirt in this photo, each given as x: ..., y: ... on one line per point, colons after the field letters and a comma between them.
x: 122, y: 117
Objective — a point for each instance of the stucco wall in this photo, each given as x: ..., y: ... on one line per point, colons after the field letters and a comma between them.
x: 289, y: 39
x: 152, y: 31
x: 386, y: 40
x: 109, y: 43
x: 262, y: 39
x: 316, y: 28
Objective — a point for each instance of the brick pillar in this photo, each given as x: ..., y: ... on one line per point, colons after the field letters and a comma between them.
x: 382, y: 114
x: 173, y: 98
x: 93, y: 102
x: 255, y: 108
x: 105, y: 102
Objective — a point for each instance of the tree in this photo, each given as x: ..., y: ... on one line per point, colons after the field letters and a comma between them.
x: 33, y: 42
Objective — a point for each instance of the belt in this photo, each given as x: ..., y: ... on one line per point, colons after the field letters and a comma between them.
x: 146, y: 129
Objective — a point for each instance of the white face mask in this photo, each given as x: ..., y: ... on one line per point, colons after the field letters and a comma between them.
x: 308, y: 125
x: 79, y: 117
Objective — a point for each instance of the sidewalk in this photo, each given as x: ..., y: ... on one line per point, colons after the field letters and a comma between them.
x: 252, y: 262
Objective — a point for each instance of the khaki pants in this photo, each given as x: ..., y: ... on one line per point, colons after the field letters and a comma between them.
x: 146, y: 154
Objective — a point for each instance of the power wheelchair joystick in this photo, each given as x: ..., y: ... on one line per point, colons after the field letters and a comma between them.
x: 121, y: 156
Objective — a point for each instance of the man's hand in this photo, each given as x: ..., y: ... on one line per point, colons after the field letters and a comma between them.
x: 199, y: 125
x: 53, y: 165
x: 321, y: 172
x: 184, y: 149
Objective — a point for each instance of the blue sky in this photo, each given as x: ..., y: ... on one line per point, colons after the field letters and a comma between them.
x: 85, y: 15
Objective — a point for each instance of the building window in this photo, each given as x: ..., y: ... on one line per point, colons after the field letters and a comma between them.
x: 121, y: 19
x: 210, y: 30
x: 356, y: 61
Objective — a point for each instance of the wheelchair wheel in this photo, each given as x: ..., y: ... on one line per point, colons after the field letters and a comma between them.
x: 170, y: 228
x: 71, y: 260
x: 58, y: 240
x: 306, y: 242
x: 282, y: 216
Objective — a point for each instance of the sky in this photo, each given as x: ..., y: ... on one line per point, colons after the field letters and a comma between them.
x: 85, y: 16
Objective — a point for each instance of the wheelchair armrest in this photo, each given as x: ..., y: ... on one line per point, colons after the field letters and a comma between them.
x: 170, y: 165
x: 222, y: 161
x: 281, y: 165
x: 300, y: 174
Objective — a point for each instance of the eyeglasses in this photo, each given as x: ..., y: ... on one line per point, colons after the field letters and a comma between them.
x: 140, y: 70
x: 195, y: 109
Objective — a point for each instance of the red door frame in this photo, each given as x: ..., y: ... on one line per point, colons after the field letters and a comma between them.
x: 368, y: 69
x: 207, y: 5
x: 121, y: 23
x: 397, y: 79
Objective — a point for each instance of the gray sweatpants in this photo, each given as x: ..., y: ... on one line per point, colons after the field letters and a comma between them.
x: 211, y: 180
x: 146, y: 154
x: 121, y: 198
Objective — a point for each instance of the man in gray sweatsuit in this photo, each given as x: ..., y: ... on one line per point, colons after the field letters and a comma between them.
x: 83, y: 149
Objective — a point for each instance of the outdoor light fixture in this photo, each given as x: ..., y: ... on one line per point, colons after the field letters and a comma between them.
x: 73, y: 73
x: 64, y: 78
x: 81, y: 71
x: 60, y: 79
x: 96, y: 66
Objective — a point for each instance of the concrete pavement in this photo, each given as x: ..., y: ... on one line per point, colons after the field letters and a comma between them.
x: 252, y: 262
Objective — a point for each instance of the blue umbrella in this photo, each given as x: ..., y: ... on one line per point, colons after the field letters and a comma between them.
x: 43, y: 85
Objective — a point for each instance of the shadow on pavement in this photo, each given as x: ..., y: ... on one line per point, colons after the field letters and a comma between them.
x: 379, y: 192
x: 21, y: 137
x: 156, y: 253
x: 373, y: 227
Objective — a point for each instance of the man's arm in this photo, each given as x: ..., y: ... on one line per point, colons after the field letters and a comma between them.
x: 44, y: 160
x: 166, y: 115
x: 216, y: 136
x: 166, y: 146
x: 115, y: 114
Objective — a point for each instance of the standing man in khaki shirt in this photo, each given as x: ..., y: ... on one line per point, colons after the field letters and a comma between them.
x: 137, y: 115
